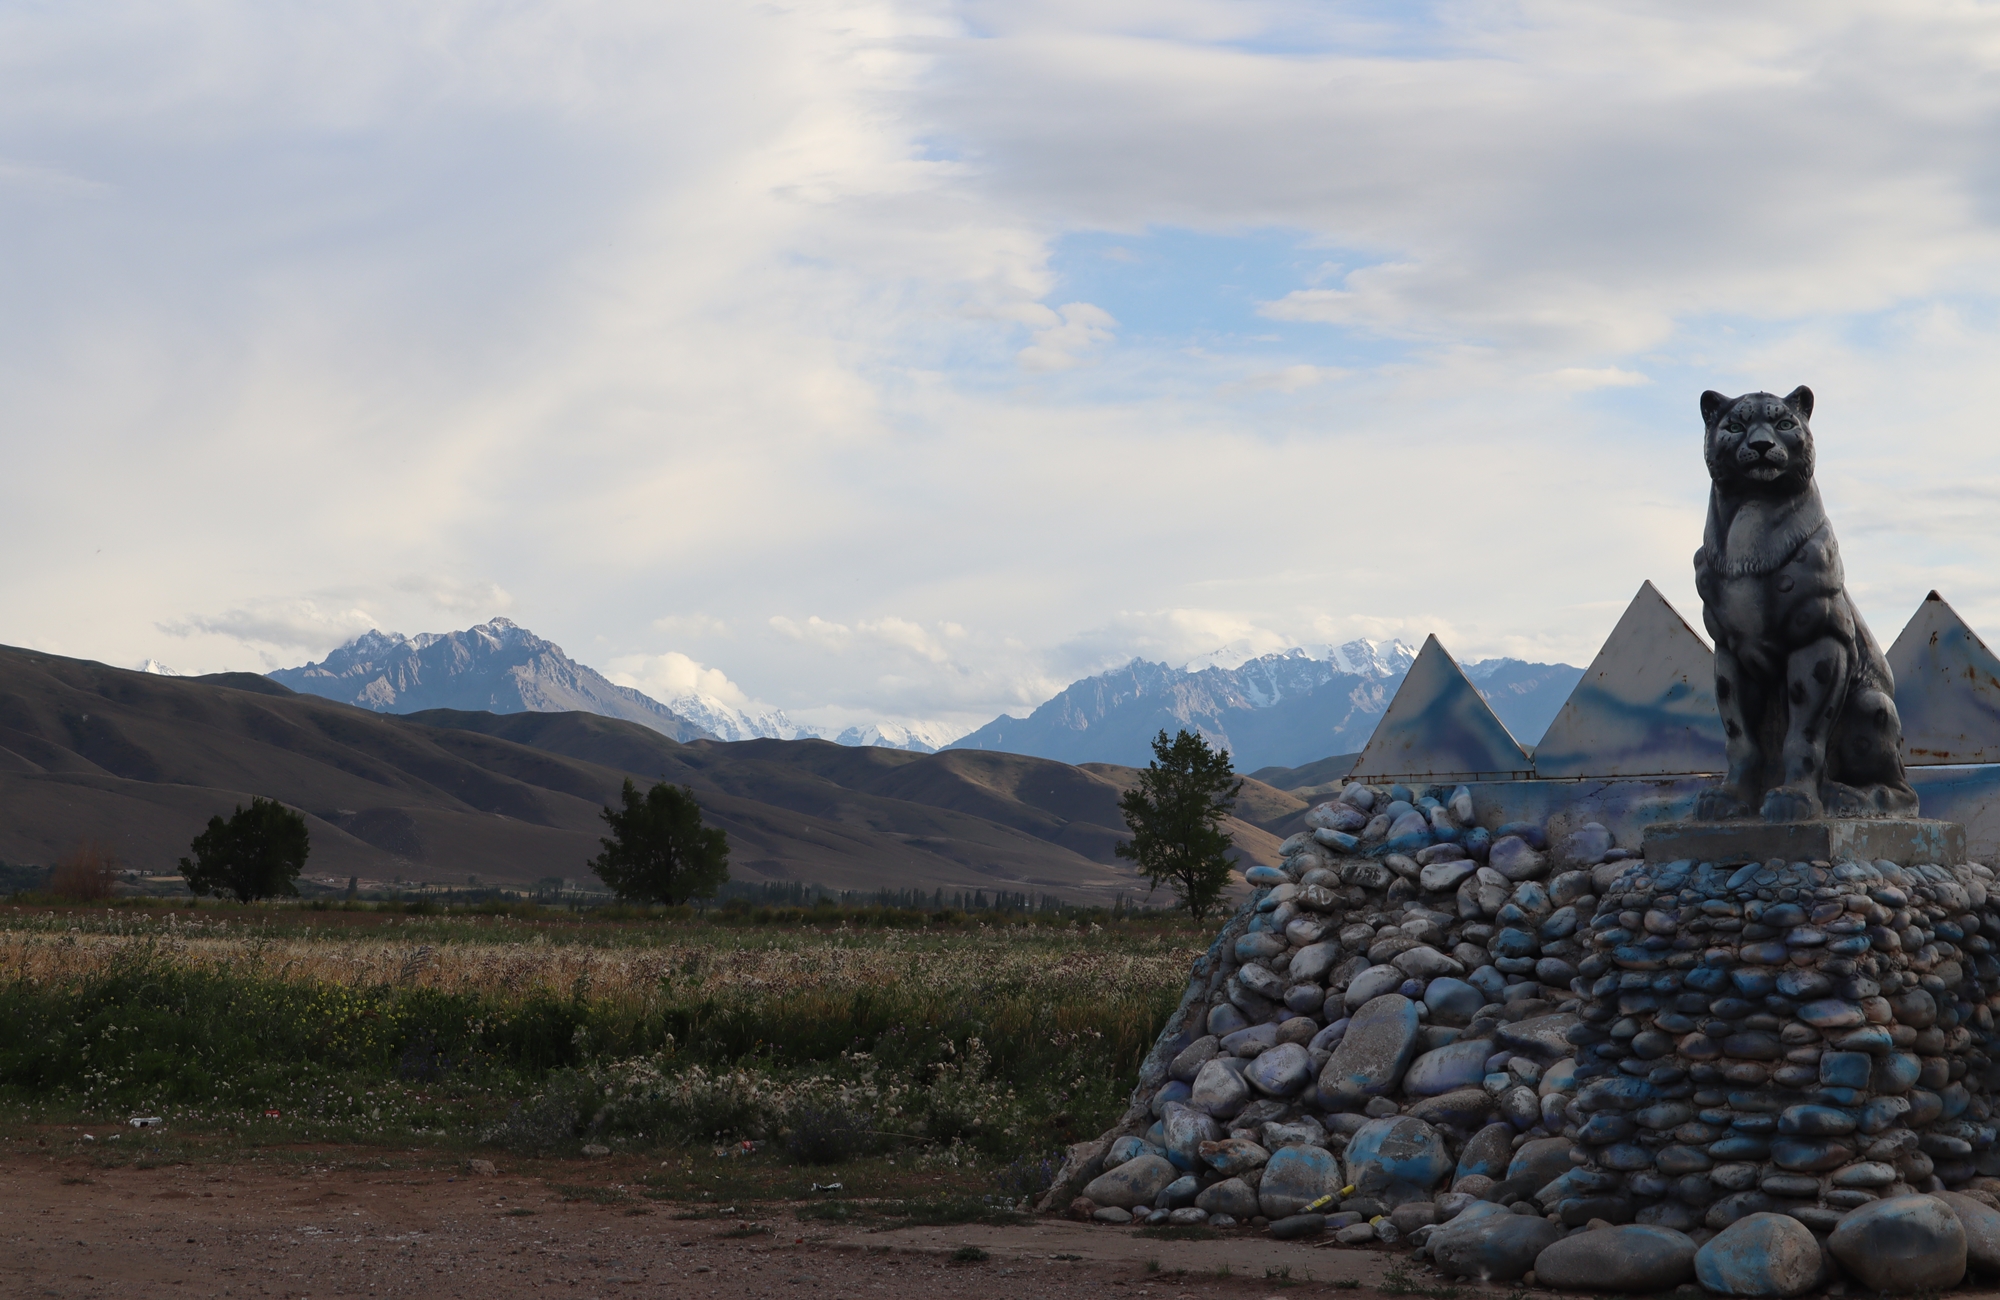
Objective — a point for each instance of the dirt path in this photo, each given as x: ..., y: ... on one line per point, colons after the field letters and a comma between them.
x: 254, y: 1230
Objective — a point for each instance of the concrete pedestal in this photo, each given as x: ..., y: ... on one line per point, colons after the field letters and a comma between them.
x: 1905, y: 841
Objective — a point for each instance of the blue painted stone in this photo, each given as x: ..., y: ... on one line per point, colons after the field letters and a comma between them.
x: 1492, y: 1247
x: 1226, y: 1019
x: 1179, y: 1194
x: 1266, y: 876
x: 1815, y: 1121
x: 1615, y: 1093
x: 1129, y: 1147
x: 1635, y: 1257
x: 1809, y: 1155
x: 1172, y: 1090
x: 1232, y: 1156
x: 1250, y: 1041
x: 1540, y: 1160
x: 1512, y: 942
x: 1761, y: 1254
x: 1831, y: 1013
x: 1605, y: 1127
x: 1397, y: 1159
x: 1371, y: 984
x: 1632, y: 958
x: 1845, y: 1069
x: 1134, y: 1183
x: 1625, y: 1156
x: 1895, y: 1073
x: 1665, y: 1115
x: 1252, y: 946
x: 1295, y: 1178
x: 1452, y: 1001
x: 1185, y: 1129
x: 1477, y: 843
x: 1455, y: 1065
x: 1380, y: 1043
x: 1873, y: 1039
x: 1676, y: 1161
x: 1219, y: 1090
x: 1487, y: 1153
x: 1767, y: 953
x: 1903, y: 1244
x: 1284, y: 1071
x: 1739, y: 1148
x: 1753, y: 983
x: 1707, y: 979
x: 1405, y: 844
x: 1532, y: 832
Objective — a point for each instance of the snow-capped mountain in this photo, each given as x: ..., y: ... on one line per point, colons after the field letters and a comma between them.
x: 728, y: 722
x: 501, y: 667
x: 496, y: 667
x: 1363, y: 657
x: 158, y: 669
x: 922, y: 738
x: 1283, y: 709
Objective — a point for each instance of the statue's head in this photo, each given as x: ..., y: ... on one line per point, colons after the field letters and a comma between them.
x: 1758, y: 443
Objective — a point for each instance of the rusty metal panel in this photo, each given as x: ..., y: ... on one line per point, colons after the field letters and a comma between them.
x: 1439, y: 726
x: 1947, y: 689
x: 1645, y: 706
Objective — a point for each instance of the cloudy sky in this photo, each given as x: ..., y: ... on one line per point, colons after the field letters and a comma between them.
x: 907, y: 361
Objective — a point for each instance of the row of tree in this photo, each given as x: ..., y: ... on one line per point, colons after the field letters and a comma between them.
x: 659, y: 850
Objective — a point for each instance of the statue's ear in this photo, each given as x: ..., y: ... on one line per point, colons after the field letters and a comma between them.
x: 1713, y: 404
x: 1800, y: 400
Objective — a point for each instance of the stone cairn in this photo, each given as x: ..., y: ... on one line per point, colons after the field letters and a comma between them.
x: 1426, y: 1032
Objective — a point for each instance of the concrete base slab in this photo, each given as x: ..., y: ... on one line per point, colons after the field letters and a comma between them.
x: 1905, y: 841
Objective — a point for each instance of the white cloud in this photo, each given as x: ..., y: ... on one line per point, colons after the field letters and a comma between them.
x: 1069, y: 336
x: 611, y: 310
x: 673, y: 675
x: 480, y: 600
x: 1579, y: 379
x: 282, y: 624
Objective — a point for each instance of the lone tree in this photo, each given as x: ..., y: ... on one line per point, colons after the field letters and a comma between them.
x: 258, y: 852
x: 659, y: 852
x: 1175, y: 815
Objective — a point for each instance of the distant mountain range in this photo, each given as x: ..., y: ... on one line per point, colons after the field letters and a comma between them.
x: 502, y: 667
x: 1283, y: 710
x: 140, y: 761
x: 1275, y: 710
x: 496, y: 667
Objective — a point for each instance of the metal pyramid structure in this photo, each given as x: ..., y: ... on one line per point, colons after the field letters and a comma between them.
x: 1438, y: 727
x: 1645, y: 706
x: 1947, y: 689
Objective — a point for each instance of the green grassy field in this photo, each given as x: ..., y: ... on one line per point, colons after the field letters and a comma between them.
x: 775, y: 1041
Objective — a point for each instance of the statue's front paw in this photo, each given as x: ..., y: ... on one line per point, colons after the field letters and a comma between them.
x: 1788, y: 805
x: 1719, y: 804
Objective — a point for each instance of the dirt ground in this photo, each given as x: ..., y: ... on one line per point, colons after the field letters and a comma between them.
x: 68, y: 1228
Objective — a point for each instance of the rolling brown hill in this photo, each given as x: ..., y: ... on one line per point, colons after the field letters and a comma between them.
x: 141, y: 762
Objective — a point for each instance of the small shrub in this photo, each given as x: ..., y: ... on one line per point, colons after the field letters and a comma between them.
x: 969, y: 1255
x: 825, y: 1135
x: 1030, y: 1177
x: 423, y: 1061
x: 84, y: 874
